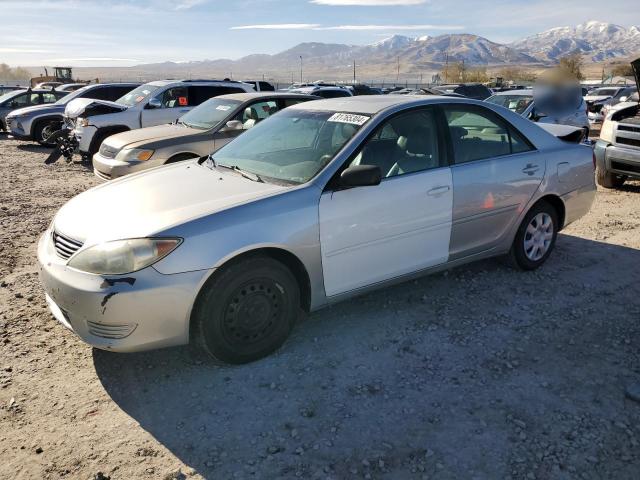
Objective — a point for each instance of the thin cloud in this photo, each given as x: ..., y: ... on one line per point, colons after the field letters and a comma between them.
x: 393, y: 27
x: 368, y: 3
x: 278, y: 26
x: 316, y: 26
x: 94, y: 59
x: 22, y: 50
x: 187, y: 4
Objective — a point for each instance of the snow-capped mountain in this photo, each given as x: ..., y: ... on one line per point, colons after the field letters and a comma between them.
x: 595, y: 40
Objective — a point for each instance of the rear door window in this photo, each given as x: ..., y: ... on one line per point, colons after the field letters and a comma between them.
x: 200, y: 93
x: 477, y: 134
x: 175, y: 97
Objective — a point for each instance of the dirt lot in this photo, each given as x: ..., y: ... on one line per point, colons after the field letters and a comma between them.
x: 479, y: 373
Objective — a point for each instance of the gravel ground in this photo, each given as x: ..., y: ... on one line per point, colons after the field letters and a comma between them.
x: 481, y: 372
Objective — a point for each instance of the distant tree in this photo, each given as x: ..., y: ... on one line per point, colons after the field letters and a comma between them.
x: 18, y: 73
x: 623, y: 70
x: 571, y: 66
x: 516, y: 74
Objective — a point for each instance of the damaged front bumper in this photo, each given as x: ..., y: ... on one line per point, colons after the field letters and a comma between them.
x: 139, y: 311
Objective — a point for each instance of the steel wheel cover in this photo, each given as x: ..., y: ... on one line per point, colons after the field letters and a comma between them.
x: 538, y: 236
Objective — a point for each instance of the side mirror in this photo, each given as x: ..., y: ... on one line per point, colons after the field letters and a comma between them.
x: 232, y: 126
x: 537, y: 115
x: 154, y: 103
x: 361, y: 176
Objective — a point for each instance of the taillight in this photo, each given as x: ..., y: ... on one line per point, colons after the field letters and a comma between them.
x: 593, y: 156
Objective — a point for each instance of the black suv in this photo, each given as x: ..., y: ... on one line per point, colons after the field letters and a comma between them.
x: 476, y: 91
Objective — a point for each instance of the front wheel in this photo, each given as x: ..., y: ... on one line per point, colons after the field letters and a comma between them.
x: 536, y: 237
x: 43, y: 133
x: 247, y: 310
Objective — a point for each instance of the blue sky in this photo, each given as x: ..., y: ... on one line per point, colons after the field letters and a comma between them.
x: 127, y: 32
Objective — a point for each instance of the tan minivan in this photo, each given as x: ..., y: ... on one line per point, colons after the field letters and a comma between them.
x: 199, y: 132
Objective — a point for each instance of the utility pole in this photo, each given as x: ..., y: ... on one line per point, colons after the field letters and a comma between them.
x: 300, y: 68
x: 446, y: 67
x: 354, y: 71
x: 398, y: 70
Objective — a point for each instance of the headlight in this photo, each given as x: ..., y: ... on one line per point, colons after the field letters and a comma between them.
x: 123, y: 256
x: 131, y: 154
x: 83, y: 122
x: 606, y: 132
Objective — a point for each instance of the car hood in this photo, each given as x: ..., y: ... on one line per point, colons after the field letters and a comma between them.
x: 155, y: 200
x: 38, y: 109
x: 149, y: 134
x: 88, y: 106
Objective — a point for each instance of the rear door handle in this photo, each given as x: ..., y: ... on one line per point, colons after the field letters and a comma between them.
x: 434, y: 192
x: 530, y: 169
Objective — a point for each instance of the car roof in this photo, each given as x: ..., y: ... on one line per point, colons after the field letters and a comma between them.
x: 521, y: 91
x: 373, y: 104
x: 164, y: 83
x: 243, y: 97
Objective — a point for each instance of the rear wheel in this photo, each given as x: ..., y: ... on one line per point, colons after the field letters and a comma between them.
x: 536, y: 237
x: 43, y: 133
x: 247, y: 310
x: 609, y: 180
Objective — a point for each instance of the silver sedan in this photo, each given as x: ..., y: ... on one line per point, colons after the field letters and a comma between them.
x: 321, y: 202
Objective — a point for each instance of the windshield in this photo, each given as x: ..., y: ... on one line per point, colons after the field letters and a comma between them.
x: 604, y: 91
x: 210, y: 113
x: 75, y: 94
x: 292, y: 146
x: 515, y: 103
x: 9, y: 95
x: 137, y: 95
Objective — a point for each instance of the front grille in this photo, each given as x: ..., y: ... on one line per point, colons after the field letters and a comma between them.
x: 65, y: 246
x: 629, y: 128
x: 628, y: 141
x: 114, y: 332
x: 625, y: 167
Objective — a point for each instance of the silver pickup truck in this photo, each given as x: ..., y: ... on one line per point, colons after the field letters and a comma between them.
x: 617, y: 151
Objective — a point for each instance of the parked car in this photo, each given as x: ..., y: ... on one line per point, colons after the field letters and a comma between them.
x: 39, y: 122
x: 324, y: 92
x: 203, y: 130
x: 598, y: 109
x: 260, y: 85
x: 89, y: 122
x: 433, y: 91
x: 630, y: 101
x: 617, y: 151
x: 597, y: 98
x: 48, y: 85
x: 321, y: 202
x: 362, y: 89
x: 70, y: 87
x: 469, y: 90
x: 24, y: 98
x: 522, y: 102
x: 9, y: 88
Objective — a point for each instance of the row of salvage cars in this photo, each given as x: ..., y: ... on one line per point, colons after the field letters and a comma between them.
x: 317, y: 201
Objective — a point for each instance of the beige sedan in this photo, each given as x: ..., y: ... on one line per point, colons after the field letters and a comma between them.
x: 200, y: 132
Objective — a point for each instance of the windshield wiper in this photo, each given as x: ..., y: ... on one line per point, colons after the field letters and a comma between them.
x: 246, y: 174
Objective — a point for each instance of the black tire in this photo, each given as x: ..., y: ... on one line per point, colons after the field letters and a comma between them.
x: 97, y: 140
x: 247, y: 310
x: 609, y: 180
x: 521, y: 256
x: 43, y: 132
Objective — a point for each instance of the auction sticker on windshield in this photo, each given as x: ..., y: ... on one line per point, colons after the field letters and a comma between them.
x: 224, y: 108
x: 348, y: 118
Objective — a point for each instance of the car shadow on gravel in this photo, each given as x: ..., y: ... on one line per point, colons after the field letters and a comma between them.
x: 33, y: 148
x: 436, y: 375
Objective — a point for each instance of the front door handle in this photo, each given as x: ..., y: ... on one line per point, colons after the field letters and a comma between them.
x: 530, y: 169
x: 434, y: 192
